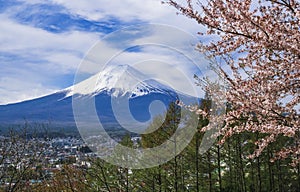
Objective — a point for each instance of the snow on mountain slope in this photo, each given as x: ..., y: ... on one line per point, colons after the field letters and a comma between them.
x: 118, y: 81
x: 116, y: 90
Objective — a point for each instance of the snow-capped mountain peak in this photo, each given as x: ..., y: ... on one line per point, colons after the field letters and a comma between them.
x: 118, y: 80
x: 132, y: 91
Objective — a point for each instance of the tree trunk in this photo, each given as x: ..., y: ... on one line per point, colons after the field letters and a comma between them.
x: 258, y: 174
x: 209, y: 171
x: 219, y: 168
x: 182, y: 173
x: 253, y: 185
x: 230, y: 164
x: 258, y: 170
x: 279, y: 174
x: 271, y: 175
x: 197, y: 162
x: 176, y: 175
x: 240, y: 164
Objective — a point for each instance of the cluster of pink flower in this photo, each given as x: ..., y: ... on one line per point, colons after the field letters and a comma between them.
x: 258, y: 46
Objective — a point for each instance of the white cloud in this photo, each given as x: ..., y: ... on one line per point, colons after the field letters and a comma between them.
x: 52, y: 55
x: 15, y: 90
x: 16, y: 37
x: 151, y: 11
x: 59, y: 54
x: 122, y: 9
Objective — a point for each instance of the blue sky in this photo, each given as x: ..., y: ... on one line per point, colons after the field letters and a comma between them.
x: 42, y: 42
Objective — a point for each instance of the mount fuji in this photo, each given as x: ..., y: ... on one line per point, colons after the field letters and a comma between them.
x: 114, y: 83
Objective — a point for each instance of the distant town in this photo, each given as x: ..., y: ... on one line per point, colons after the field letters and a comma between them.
x: 43, y: 156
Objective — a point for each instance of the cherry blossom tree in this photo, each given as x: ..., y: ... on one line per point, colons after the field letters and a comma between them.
x: 257, y: 47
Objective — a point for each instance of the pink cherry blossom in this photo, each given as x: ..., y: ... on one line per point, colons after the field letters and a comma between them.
x: 260, y: 43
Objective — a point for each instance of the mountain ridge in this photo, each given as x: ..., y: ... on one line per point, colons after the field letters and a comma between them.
x: 113, y: 83
x: 113, y: 80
